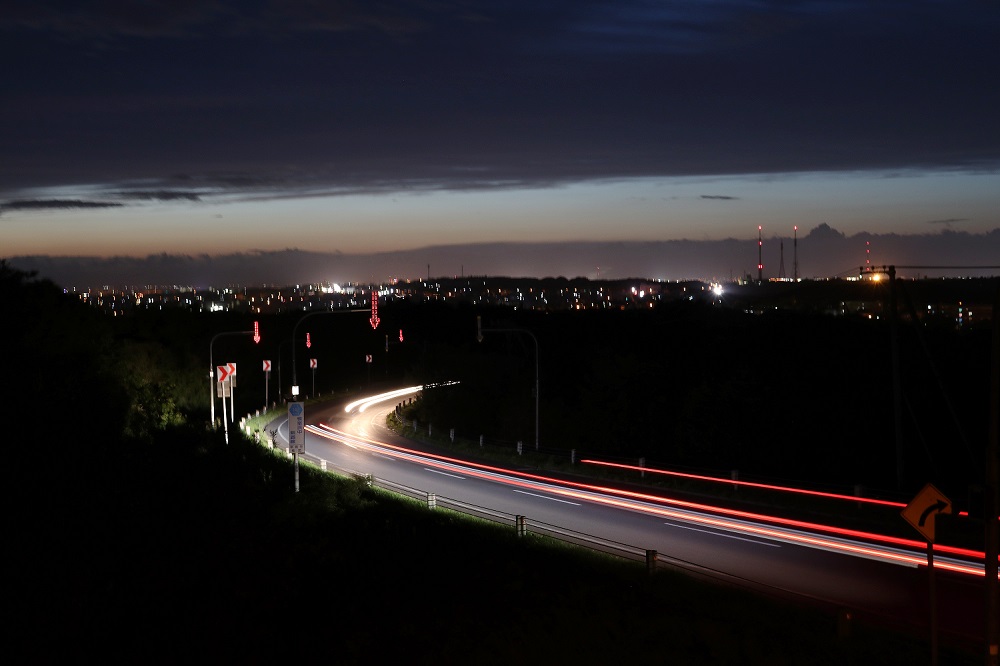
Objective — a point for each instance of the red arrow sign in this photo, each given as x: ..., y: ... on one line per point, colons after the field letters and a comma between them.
x: 232, y: 369
x: 223, y: 372
x: 312, y: 363
x: 267, y: 366
x: 374, y: 318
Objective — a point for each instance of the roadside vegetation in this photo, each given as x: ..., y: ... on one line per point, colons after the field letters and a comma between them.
x: 138, y: 535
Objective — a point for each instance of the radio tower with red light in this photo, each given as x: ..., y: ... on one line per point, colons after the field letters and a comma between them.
x: 795, y: 253
x: 760, y: 261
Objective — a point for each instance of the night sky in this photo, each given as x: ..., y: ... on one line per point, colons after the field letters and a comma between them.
x: 183, y: 127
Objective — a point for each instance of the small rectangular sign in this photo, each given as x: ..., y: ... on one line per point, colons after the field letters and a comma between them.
x: 296, y: 427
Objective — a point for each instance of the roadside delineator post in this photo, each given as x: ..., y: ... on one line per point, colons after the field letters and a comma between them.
x: 519, y: 527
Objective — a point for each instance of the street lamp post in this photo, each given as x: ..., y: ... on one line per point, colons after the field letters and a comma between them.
x: 479, y: 338
x: 280, y: 384
x: 295, y: 380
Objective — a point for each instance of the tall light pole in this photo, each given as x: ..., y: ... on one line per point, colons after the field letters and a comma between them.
x: 479, y: 338
x: 295, y: 377
x: 280, y: 384
x: 211, y: 364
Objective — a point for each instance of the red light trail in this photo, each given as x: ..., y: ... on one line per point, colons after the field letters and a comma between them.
x: 724, y: 518
x: 748, y: 484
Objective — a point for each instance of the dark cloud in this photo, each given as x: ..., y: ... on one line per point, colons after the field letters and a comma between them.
x: 54, y: 204
x: 161, y: 195
x: 949, y: 221
x: 467, y: 94
x: 720, y: 197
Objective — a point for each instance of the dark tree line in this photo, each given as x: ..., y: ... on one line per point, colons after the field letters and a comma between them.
x: 781, y: 394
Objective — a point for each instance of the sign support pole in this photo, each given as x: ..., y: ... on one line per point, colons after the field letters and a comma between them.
x: 933, y: 600
x: 922, y: 512
x: 225, y: 421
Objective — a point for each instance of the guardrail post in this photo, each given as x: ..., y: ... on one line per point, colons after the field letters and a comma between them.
x: 414, y: 425
x: 452, y: 435
x: 480, y: 441
x: 430, y: 429
x: 432, y: 501
x: 322, y: 464
x: 572, y: 456
x: 520, y: 448
x: 844, y: 619
x: 651, y: 561
x: 642, y: 464
x: 519, y: 527
x: 735, y: 476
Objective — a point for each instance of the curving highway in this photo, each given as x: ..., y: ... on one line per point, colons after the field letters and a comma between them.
x: 862, y: 573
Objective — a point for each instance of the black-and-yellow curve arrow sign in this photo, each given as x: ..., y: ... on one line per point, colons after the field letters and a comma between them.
x: 923, y: 508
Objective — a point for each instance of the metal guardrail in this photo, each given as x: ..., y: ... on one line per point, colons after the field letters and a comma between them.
x: 433, y: 500
x: 654, y: 560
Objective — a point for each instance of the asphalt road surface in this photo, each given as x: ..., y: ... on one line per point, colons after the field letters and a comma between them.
x: 867, y: 578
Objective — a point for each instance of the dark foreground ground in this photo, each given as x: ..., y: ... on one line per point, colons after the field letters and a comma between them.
x: 185, y: 550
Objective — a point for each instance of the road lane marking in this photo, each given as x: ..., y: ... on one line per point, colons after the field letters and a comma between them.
x: 384, y: 457
x: 728, y: 536
x: 548, y: 498
x: 454, y: 476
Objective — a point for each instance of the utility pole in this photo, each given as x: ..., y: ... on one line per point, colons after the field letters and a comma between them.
x: 992, y: 498
x: 897, y: 389
x: 479, y: 338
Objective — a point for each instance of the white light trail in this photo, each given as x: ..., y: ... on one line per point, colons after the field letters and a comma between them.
x: 365, y: 403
